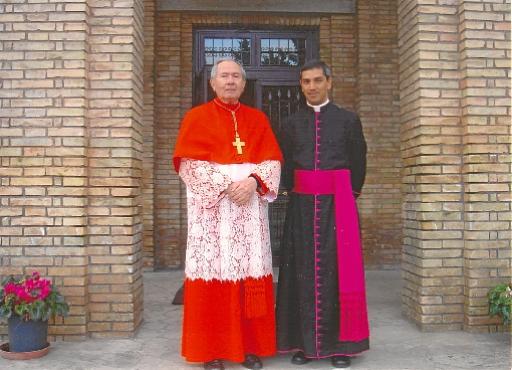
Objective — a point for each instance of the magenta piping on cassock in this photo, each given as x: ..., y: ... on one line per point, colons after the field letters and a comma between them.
x: 316, y: 236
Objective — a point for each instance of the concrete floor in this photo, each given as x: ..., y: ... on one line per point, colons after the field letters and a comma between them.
x: 395, y: 343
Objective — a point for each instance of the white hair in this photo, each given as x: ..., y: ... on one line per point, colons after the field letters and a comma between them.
x: 213, y: 74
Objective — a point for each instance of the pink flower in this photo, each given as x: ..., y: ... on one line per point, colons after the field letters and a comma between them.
x: 9, y: 288
x: 22, y: 293
x: 29, y: 290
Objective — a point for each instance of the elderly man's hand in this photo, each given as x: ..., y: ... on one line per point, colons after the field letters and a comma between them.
x: 240, y: 192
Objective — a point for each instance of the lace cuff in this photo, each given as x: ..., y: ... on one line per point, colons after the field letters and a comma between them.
x: 203, y: 181
x: 269, y: 172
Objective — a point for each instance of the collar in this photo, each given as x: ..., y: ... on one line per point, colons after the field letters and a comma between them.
x: 318, y: 107
x: 230, y: 107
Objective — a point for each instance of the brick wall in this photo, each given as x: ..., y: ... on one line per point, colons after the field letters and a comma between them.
x: 168, y: 219
x: 377, y: 102
x: 338, y: 38
x: 71, y: 131
x: 455, y: 113
x: 148, y: 172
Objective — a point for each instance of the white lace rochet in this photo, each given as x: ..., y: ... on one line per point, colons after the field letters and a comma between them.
x: 226, y: 241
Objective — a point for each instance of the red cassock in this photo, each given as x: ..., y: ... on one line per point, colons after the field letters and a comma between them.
x: 228, y: 299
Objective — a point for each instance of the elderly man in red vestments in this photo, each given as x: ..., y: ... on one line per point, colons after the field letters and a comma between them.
x: 230, y: 162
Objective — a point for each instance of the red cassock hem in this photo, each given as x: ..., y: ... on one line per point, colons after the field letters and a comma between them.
x: 227, y: 320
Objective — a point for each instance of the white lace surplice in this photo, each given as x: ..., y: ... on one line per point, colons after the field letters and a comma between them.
x: 226, y: 241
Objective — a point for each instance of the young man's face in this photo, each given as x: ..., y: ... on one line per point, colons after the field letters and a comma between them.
x: 315, y: 86
x: 228, y: 83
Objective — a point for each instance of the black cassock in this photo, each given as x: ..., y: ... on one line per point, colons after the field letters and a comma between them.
x: 308, y: 316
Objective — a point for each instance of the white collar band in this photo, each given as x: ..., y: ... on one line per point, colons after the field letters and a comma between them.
x: 317, y: 108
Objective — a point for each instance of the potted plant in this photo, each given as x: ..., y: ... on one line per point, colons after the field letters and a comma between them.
x: 27, y: 303
x: 500, y: 302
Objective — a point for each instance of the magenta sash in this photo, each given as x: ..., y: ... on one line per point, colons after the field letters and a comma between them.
x: 352, y: 296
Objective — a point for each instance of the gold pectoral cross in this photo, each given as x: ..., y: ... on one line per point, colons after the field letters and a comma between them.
x: 238, y: 144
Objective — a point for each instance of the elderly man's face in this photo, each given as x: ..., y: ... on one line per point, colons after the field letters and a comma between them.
x: 228, y: 83
x: 315, y: 86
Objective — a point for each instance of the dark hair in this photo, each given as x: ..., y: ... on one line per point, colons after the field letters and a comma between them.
x: 314, y: 64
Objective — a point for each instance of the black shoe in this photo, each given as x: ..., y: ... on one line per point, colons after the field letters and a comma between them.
x: 340, y: 362
x: 214, y: 365
x: 252, y: 362
x: 299, y: 358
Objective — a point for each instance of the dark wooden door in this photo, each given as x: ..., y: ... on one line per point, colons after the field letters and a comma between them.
x: 272, y: 60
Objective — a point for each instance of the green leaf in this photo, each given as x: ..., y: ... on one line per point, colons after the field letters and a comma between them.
x: 493, y: 310
x: 500, y: 301
x: 5, y: 312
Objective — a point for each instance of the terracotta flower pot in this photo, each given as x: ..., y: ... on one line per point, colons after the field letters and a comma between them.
x: 8, y: 355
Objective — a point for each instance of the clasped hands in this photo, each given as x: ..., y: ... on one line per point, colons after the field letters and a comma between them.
x: 240, y: 192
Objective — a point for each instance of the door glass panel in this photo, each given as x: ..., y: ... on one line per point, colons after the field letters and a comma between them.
x: 283, y: 52
x: 238, y: 49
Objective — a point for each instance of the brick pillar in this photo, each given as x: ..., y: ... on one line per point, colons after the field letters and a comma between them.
x: 455, y: 104
x: 378, y: 106
x: 43, y: 165
x: 115, y: 132
x: 485, y: 82
x: 71, y: 154
x: 433, y: 293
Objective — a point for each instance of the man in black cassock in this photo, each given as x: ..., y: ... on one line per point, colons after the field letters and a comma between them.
x: 321, y: 300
